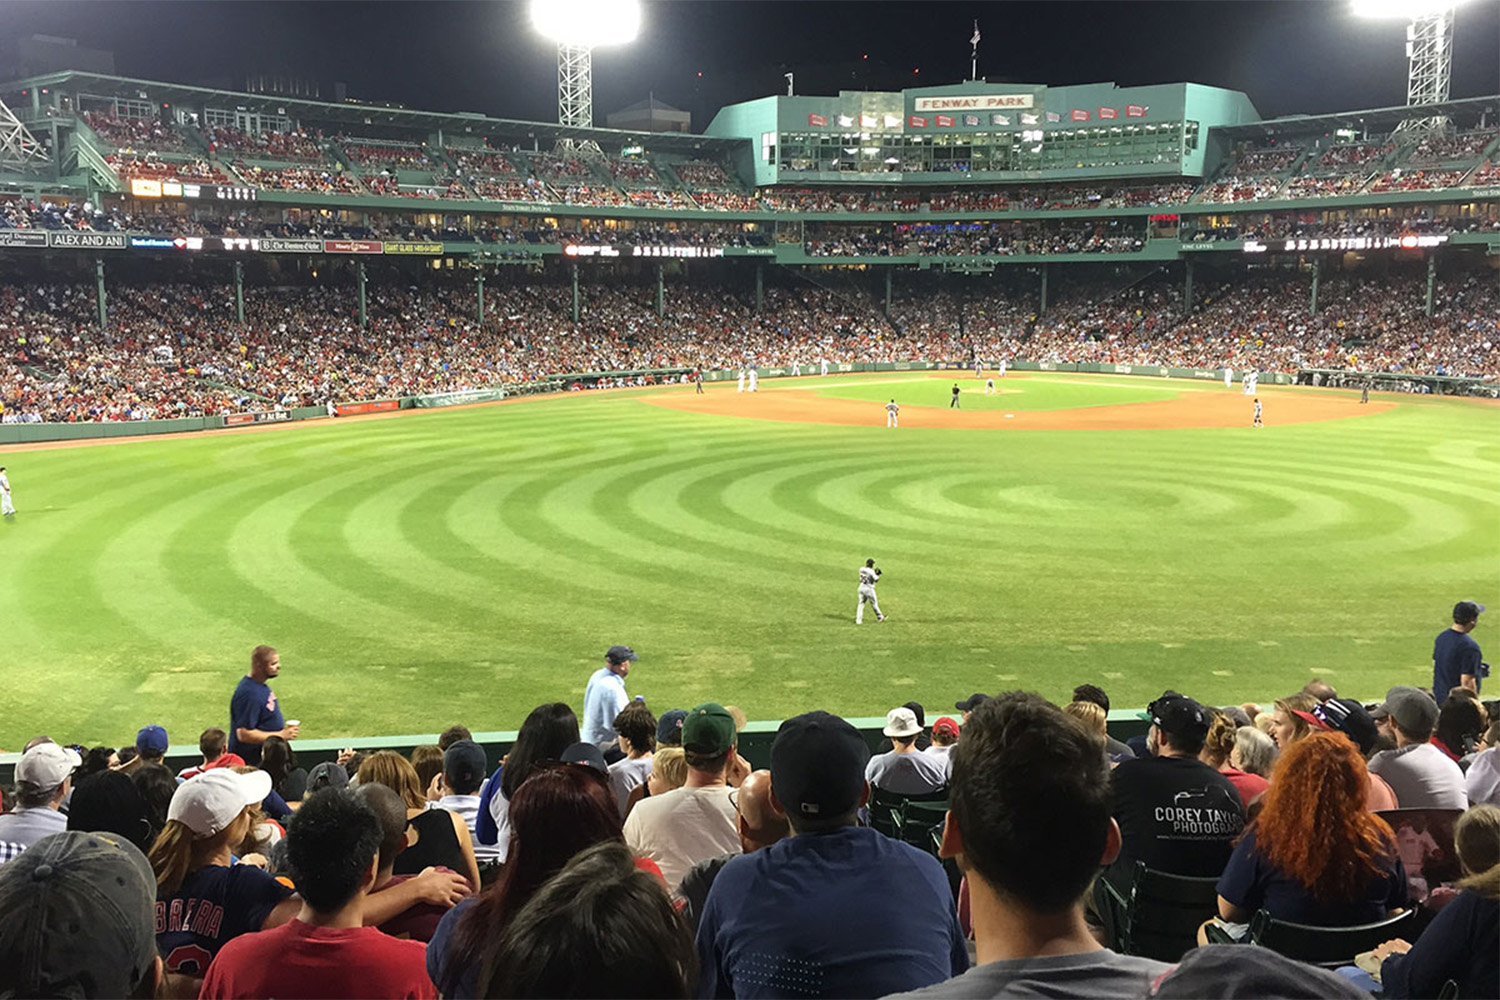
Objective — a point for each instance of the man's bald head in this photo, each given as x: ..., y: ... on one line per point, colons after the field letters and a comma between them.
x: 759, y: 824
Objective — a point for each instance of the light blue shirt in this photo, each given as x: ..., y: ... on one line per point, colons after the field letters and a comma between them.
x: 602, y: 701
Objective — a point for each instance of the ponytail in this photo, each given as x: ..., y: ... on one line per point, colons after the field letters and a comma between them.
x: 170, y: 856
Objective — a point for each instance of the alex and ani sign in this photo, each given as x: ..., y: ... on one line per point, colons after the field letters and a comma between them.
x: 974, y: 102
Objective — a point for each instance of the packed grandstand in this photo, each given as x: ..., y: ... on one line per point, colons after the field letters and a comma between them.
x: 1182, y: 237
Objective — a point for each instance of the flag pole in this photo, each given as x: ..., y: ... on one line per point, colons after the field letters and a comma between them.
x: 974, y: 52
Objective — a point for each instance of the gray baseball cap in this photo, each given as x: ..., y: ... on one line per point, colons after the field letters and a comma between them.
x: 1413, y: 709
x: 78, y: 918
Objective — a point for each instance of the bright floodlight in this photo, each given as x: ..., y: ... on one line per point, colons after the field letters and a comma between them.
x: 1429, y: 58
x: 577, y: 26
x: 587, y: 23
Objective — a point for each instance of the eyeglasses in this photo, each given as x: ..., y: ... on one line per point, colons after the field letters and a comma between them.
x: 734, y: 799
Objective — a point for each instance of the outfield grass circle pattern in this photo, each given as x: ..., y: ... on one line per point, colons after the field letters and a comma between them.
x: 466, y: 565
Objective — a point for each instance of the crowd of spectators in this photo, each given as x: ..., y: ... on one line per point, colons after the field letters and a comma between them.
x: 1240, y: 187
x: 1266, y: 160
x: 1439, y: 149
x: 635, y: 851
x: 177, y: 350
x: 270, y: 144
x: 152, y: 167
x: 975, y: 238
x: 393, y: 155
x: 321, y: 179
x: 1417, y: 180
x: 1326, y: 186
x: 131, y: 135
x: 1353, y: 155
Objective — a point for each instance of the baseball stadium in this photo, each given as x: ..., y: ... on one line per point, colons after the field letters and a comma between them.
x: 414, y: 414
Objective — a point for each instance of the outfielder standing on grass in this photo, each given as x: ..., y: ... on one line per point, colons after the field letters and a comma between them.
x: 891, y: 414
x: 869, y: 576
x: 1257, y: 412
x: 6, y: 507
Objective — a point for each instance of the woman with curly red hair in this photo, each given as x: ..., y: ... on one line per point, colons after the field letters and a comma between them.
x: 1315, y: 855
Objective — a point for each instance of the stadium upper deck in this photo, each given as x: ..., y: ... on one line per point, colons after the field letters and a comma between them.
x: 968, y: 170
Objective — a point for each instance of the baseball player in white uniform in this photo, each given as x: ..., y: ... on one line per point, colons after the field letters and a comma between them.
x: 742, y: 380
x: 1002, y: 367
x: 869, y: 576
x: 822, y: 366
x: 754, y: 379
x: 6, y: 507
x: 989, y: 387
x: 796, y: 368
x: 891, y: 414
x: 978, y: 367
x: 1229, y: 378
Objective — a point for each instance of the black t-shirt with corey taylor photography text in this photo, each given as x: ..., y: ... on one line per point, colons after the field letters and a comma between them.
x: 1177, y: 814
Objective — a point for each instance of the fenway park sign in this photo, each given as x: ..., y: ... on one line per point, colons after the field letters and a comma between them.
x: 974, y: 102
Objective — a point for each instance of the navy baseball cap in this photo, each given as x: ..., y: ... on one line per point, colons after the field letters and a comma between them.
x: 972, y: 702
x: 586, y: 754
x: 818, y: 766
x: 620, y: 654
x: 1350, y: 718
x: 669, y: 727
x: 1467, y: 611
x: 465, y: 763
x: 152, y: 740
x: 1178, y: 715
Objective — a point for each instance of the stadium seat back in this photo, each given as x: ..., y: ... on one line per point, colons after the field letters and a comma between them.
x: 1326, y: 946
x: 921, y: 819
x: 1161, y: 913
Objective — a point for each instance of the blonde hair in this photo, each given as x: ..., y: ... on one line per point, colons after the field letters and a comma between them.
x: 1476, y: 836
x: 1219, y: 743
x: 389, y: 768
x: 738, y: 715
x: 1092, y: 716
x: 172, y: 852
x: 1265, y: 722
x: 669, y: 765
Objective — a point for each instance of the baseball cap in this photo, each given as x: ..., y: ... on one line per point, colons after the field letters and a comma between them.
x: 586, y: 754
x: 1412, y: 709
x: 945, y: 725
x: 465, y: 761
x: 708, y: 730
x: 47, y: 765
x: 330, y: 775
x: 151, y: 740
x: 1350, y: 718
x: 1312, y: 719
x: 619, y: 654
x: 818, y: 766
x: 1178, y: 715
x: 972, y: 702
x: 1467, y: 611
x: 79, y: 917
x: 901, y: 723
x: 208, y: 803
x: 669, y: 727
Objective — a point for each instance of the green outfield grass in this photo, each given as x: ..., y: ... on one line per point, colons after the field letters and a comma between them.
x: 1012, y: 393
x: 464, y: 565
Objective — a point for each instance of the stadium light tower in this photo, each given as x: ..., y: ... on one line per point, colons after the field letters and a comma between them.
x: 1429, y: 57
x: 578, y: 26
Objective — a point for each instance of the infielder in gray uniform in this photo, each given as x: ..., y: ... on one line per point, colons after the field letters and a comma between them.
x: 869, y: 576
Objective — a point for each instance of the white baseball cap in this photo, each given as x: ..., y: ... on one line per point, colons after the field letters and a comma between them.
x: 207, y: 803
x: 901, y: 723
x: 47, y: 765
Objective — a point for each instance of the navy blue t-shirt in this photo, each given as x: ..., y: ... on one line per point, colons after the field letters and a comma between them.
x: 851, y: 913
x: 253, y: 706
x: 1253, y: 883
x: 1453, y: 654
x: 215, y: 904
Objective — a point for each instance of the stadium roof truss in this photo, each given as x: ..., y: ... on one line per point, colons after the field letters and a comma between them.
x: 1382, y: 120
x: 19, y: 149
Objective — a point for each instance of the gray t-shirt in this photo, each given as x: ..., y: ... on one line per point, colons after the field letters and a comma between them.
x: 1422, y: 776
x: 25, y: 827
x: 906, y: 773
x: 1095, y: 974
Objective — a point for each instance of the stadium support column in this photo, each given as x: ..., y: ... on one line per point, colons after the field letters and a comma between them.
x: 661, y: 292
x: 239, y: 292
x: 359, y: 283
x: 575, y: 293
x: 1042, y: 306
x: 1187, y: 289
x: 1317, y: 277
x: 888, y: 293
x: 99, y: 293
x: 479, y: 287
x: 1431, y: 282
x: 760, y: 286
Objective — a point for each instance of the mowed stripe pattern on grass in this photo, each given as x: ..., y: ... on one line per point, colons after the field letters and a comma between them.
x: 467, y: 565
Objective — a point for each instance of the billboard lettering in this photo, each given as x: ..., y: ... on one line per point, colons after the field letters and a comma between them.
x: 974, y: 102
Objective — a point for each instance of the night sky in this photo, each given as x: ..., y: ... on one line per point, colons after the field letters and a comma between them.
x: 1293, y: 56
